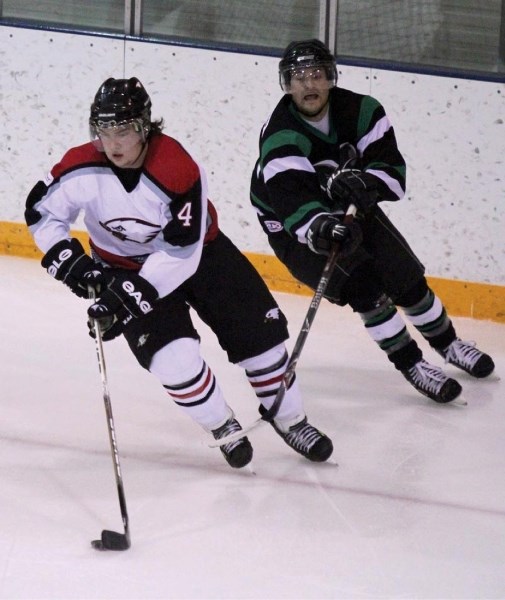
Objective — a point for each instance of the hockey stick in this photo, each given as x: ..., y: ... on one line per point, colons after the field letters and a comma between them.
x: 269, y: 415
x: 110, y: 540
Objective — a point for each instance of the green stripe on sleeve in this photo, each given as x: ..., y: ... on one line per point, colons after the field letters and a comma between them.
x: 285, y: 137
x: 298, y: 216
x: 381, y: 165
x: 367, y: 108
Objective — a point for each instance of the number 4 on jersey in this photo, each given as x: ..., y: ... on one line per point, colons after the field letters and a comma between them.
x: 185, y: 215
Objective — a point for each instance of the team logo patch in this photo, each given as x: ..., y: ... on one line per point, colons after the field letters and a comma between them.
x: 273, y: 314
x: 131, y: 229
x: 142, y: 340
x: 273, y: 226
x: 48, y: 179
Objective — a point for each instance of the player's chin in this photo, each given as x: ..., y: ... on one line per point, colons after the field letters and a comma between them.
x: 311, y: 109
x: 117, y: 159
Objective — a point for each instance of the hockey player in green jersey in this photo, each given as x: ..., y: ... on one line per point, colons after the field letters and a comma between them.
x: 322, y: 149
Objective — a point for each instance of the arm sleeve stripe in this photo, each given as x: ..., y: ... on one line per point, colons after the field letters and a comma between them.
x: 256, y: 201
x: 279, y: 165
x: 376, y: 133
x: 285, y: 137
x: 401, y: 170
x: 392, y: 183
x: 366, y: 112
x: 301, y: 212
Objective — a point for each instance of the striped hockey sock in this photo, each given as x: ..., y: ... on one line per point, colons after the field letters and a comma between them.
x: 265, y: 373
x: 430, y: 318
x: 201, y: 398
x: 190, y: 382
x: 385, y: 326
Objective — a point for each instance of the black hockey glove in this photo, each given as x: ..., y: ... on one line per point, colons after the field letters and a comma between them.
x: 352, y: 186
x: 127, y: 296
x: 66, y: 261
x: 326, y: 230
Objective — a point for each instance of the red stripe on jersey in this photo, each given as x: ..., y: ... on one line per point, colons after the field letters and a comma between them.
x: 78, y: 157
x: 213, y: 227
x: 170, y: 165
x: 131, y: 263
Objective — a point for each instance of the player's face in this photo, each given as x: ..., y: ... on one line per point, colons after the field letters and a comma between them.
x: 123, y: 145
x: 310, y: 91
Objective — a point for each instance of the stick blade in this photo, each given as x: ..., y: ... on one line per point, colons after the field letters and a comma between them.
x: 111, y: 540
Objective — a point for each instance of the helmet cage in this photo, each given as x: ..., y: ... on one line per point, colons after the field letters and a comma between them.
x: 120, y: 102
x: 286, y: 73
x: 142, y: 125
x: 307, y: 54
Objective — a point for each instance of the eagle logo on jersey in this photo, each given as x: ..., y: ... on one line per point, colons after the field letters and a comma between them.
x: 129, y: 229
x: 273, y: 314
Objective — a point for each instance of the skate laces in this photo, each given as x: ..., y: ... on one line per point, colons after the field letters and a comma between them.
x: 462, y: 353
x: 302, y: 436
x: 231, y: 426
x: 426, y: 376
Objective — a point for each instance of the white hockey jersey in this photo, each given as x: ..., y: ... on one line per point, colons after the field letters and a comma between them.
x: 158, y: 227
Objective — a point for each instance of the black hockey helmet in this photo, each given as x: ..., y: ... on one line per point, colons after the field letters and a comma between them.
x: 304, y: 55
x: 119, y: 102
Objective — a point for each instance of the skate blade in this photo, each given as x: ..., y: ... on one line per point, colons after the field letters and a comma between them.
x: 459, y: 401
x: 491, y: 377
x: 249, y: 469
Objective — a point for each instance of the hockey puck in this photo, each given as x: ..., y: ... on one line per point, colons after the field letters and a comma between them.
x: 98, y: 545
x: 111, y: 540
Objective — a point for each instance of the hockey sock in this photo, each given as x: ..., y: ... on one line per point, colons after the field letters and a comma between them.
x: 265, y: 373
x: 430, y: 318
x: 385, y: 326
x: 190, y: 382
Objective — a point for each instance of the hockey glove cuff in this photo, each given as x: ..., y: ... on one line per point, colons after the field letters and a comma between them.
x: 128, y: 296
x: 327, y: 230
x: 66, y: 261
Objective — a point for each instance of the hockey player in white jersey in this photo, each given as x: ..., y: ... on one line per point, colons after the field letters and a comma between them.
x: 156, y: 251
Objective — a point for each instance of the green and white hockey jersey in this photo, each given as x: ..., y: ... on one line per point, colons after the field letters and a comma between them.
x: 287, y: 186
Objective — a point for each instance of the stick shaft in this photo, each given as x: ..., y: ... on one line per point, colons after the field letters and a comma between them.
x: 307, y: 323
x: 110, y: 422
x: 269, y: 415
x: 302, y: 336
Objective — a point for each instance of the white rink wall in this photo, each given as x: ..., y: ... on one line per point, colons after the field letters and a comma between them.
x: 451, y: 132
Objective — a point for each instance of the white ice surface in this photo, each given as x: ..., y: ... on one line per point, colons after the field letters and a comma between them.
x: 415, y: 509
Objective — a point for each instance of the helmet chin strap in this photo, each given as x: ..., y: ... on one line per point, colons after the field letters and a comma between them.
x: 144, y: 146
x: 145, y: 133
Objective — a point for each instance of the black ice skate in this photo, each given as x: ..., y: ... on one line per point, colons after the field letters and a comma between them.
x: 466, y: 356
x: 239, y: 453
x: 307, y: 441
x: 432, y: 382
